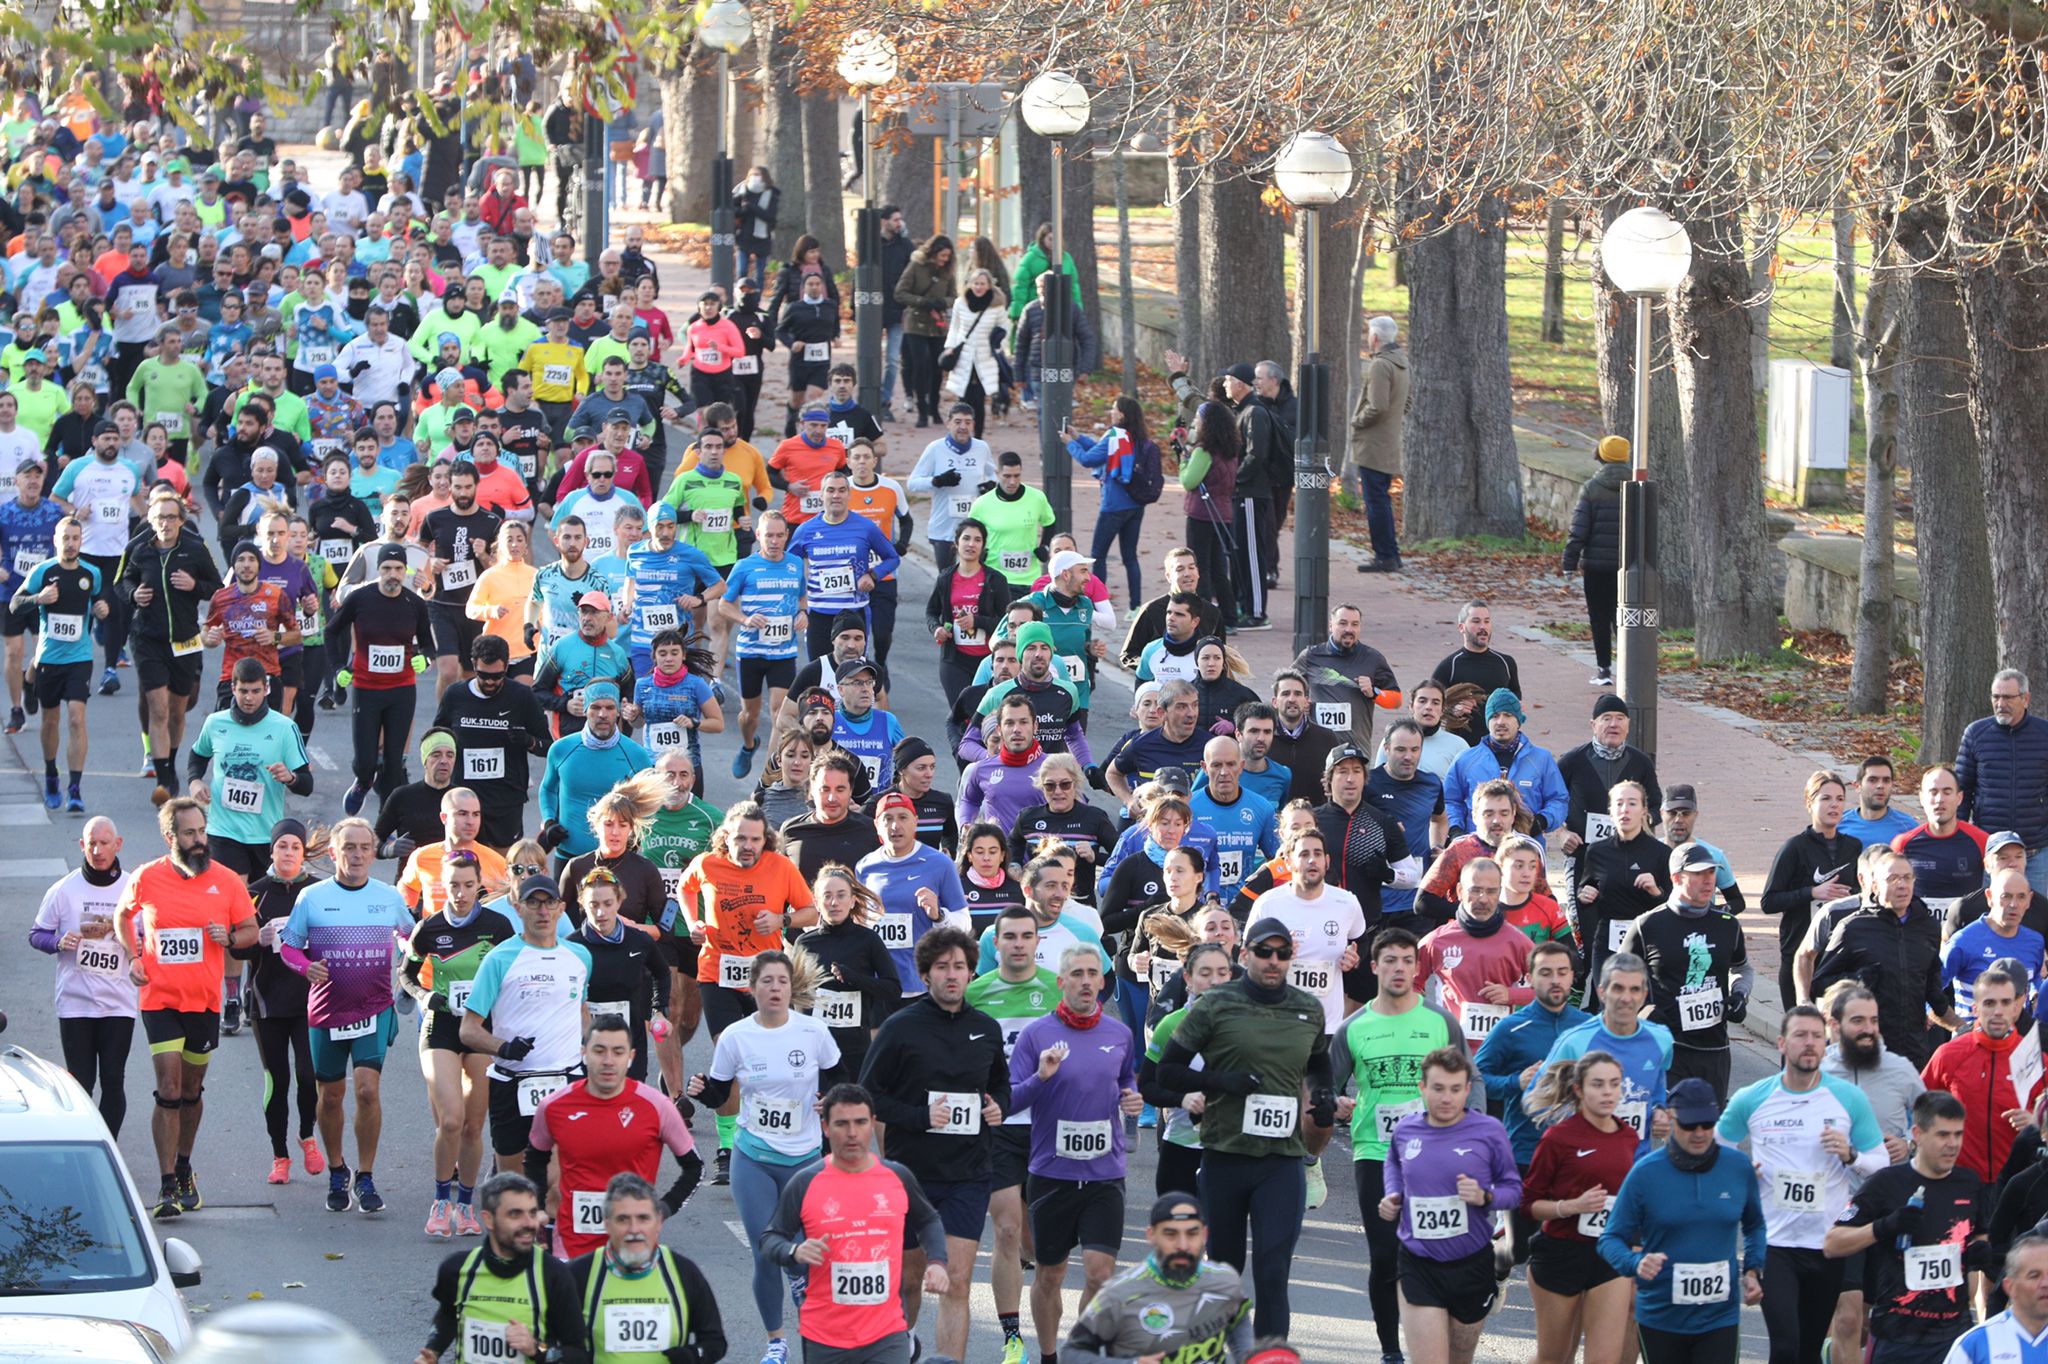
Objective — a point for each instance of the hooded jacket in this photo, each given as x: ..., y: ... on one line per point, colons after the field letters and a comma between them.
x: 1595, y: 539
x: 926, y: 292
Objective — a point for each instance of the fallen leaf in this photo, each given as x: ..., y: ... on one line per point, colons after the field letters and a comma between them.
x: 256, y: 1295
x: 293, y: 1283
x: 336, y: 1255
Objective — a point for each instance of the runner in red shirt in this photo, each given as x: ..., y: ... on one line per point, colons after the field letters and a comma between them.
x: 803, y: 461
x: 845, y: 1218
x: 249, y: 618
x: 600, y: 1126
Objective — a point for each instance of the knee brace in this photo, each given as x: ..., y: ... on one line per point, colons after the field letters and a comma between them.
x: 191, y: 1101
x: 162, y: 1102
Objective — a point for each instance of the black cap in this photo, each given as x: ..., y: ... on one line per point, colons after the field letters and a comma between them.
x: 1174, y: 1207
x: 1174, y: 779
x: 854, y: 667
x: 392, y: 554
x: 1345, y: 753
x: 1681, y: 796
x: 104, y: 428
x: 849, y: 620
x: 1268, y: 927
x: 1609, y: 702
x: 539, y: 885
x: 1242, y: 372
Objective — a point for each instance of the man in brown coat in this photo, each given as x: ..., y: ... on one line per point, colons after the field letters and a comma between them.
x: 1376, y: 439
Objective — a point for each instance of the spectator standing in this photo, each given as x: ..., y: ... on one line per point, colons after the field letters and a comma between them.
x: 1376, y: 440
x: 2002, y: 768
x: 1594, y: 548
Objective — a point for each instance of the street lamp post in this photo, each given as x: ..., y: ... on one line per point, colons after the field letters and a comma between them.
x: 867, y: 60
x: 1055, y: 106
x: 725, y: 28
x: 1313, y: 172
x: 1645, y: 253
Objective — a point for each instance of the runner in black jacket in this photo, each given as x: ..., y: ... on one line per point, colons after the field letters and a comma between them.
x: 1896, y: 952
x: 854, y: 963
x: 1816, y: 865
x: 502, y: 724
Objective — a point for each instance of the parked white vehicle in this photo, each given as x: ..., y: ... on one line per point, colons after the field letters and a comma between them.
x: 75, y: 1239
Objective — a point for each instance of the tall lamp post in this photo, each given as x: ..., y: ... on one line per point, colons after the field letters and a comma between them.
x: 1646, y: 255
x: 1313, y: 172
x: 724, y: 29
x: 867, y: 60
x: 1055, y: 106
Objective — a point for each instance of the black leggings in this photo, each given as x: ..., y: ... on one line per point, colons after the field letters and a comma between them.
x: 1382, y: 1280
x: 1180, y: 1167
x: 283, y: 1043
x: 956, y: 672
x: 921, y: 372
x: 383, y: 723
x: 1212, y: 559
x: 96, y: 1053
x: 1603, y: 586
x: 1712, y: 1347
x: 1265, y: 1193
x: 1800, y: 1288
x: 312, y: 677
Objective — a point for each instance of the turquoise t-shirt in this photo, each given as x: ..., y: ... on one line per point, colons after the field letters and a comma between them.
x: 373, y: 485
x: 246, y: 799
x: 64, y: 628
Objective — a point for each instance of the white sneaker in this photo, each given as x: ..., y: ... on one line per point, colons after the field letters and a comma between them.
x: 1603, y: 678
x: 1318, y: 1187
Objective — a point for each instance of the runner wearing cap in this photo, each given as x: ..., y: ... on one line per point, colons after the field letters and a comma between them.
x: 849, y: 1221
x: 176, y: 917
x: 1672, y: 1226
x: 342, y: 935
x: 598, y: 505
x: 1265, y: 1048
x: 799, y: 465
x: 1073, y: 617
x: 1448, y: 1168
x: 761, y: 598
x: 917, y: 885
x: 391, y: 631
x: 582, y: 766
x: 844, y: 556
x: 461, y: 537
x: 67, y: 595
x: 28, y: 526
x: 1077, y: 1067
x: 103, y: 493
x: 670, y: 586
x: 526, y: 1009
x: 1700, y: 974
x: 570, y: 666
x: 1681, y: 816
x: 1178, y: 1304
x: 849, y: 641
x: 250, y: 619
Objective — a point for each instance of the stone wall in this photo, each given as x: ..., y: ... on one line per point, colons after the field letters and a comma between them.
x: 1822, y: 589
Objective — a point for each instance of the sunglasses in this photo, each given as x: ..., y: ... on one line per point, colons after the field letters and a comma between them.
x: 1058, y: 786
x: 527, y: 868
x: 600, y: 876
x: 600, y: 473
x: 463, y: 857
x: 1692, y: 1126
x: 1264, y: 953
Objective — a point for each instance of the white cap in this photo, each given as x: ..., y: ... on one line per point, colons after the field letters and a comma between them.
x: 1067, y: 559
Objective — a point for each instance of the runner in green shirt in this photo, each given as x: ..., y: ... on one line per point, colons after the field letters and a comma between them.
x: 170, y: 389
x: 676, y: 833
x: 1019, y: 522
x: 501, y: 343
x: 715, y: 491
x: 38, y: 402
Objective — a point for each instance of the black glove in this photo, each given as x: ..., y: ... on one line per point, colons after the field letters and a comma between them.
x: 1322, y: 1106
x: 1239, y: 1082
x: 1896, y: 1223
x: 1538, y: 825
x: 437, y: 1003
x: 1979, y: 1256
x: 531, y: 633
x: 515, y: 1050
x: 949, y: 479
x: 760, y: 504
x: 1737, y: 1010
x: 552, y: 836
x: 1095, y: 777
x: 399, y: 846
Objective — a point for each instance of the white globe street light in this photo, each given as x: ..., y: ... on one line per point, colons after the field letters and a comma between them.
x: 1314, y: 170
x: 867, y: 59
x: 1054, y: 104
x: 1646, y: 251
x: 725, y: 27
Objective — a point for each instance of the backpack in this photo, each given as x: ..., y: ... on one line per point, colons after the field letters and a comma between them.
x: 1148, y: 477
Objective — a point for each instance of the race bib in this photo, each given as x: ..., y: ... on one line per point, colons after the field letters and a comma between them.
x: 186, y: 647
x: 527, y: 464
x: 1230, y: 867
x: 112, y: 512
x: 832, y: 582
x: 672, y: 882
x: 1076, y: 666
x: 894, y: 931
x: 864, y: 1284
x: 718, y: 522
x: 708, y: 356
x: 661, y: 616
x: 1617, y: 933
x: 587, y: 1212
x: 1334, y: 715
x: 735, y: 973
x: 1636, y: 1113
x: 311, y: 357
x: 1316, y: 977
x: 1699, y: 1007
x: 1437, y: 1219
x: 533, y: 1090
x: 811, y: 504
x: 99, y: 956
x: 960, y: 504
x: 483, y: 764
x: 1478, y: 1018
x: 173, y: 424
x: 458, y: 995
x: 1271, y: 1115
x: 349, y: 1032
x: 386, y: 658
x: 485, y: 1341
x: 1591, y: 1224
x: 243, y: 797
x: 664, y: 736
x: 1796, y: 1190
x: 180, y: 946
x: 1386, y: 1117
x: 1014, y: 561
x: 778, y: 629
x: 25, y: 560
x: 1695, y: 1285
x: 601, y: 542
x: 1598, y: 826
x: 836, y: 1008
x: 776, y: 1117
x: 337, y: 552
x: 1081, y: 1140
x: 637, y: 1327
x: 746, y: 364
x: 557, y: 376
x: 1162, y: 971
x: 963, y: 1113
x: 323, y: 446
x: 816, y: 352
x: 64, y: 629
x: 1934, y: 1267
x: 872, y: 765
x: 458, y: 575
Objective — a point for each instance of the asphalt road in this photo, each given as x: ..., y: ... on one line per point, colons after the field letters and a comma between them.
x: 281, y: 1243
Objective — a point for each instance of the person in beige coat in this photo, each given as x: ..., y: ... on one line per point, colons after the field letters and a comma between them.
x: 1376, y: 439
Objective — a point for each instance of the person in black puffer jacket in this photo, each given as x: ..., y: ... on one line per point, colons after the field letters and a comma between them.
x: 1595, y: 545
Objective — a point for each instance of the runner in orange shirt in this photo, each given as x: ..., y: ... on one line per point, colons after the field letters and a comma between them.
x: 803, y: 460
x: 462, y: 818
x: 177, y: 918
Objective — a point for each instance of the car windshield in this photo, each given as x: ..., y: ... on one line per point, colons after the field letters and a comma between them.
x: 66, y: 1223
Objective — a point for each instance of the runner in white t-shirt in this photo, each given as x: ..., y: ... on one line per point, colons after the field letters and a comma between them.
x: 1327, y: 922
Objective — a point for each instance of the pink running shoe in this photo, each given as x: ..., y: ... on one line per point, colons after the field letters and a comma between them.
x: 465, y: 1221
x: 281, y: 1170
x: 439, y: 1222
x: 315, y: 1162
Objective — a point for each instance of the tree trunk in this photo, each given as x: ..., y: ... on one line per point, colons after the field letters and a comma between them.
x: 783, y: 119
x: 906, y: 180
x: 1182, y: 183
x: 1843, y: 347
x: 746, y: 121
x: 689, y: 114
x: 1553, y: 273
x: 1614, y: 340
x: 1870, y: 673
x: 1338, y: 315
x: 1127, y: 305
x: 1711, y: 330
x: 826, y: 218
x: 1243, y: 277
x: 1034, y: 206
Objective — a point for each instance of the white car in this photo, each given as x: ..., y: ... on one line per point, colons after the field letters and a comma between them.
x: 75, y: 1238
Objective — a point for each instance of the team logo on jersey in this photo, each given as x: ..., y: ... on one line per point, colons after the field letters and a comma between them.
x: 625, y: 1117
x: 881, y: 1203
x: 1411, y: 1148
x: 1699, y: 959
x: 995, y: 776
x: 1453, y: 956
x: 797, y: 1057
x: 1156, y: 1317
x: 1330, y: 927
x: 84, y: 583
x: 831, y: 1208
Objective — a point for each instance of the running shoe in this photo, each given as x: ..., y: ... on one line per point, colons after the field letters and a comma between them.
x: 776, y: 1353
x: 280, y: 1170
x: 231, y: 1017
x: 188, y: 1193
x: 110, y: 682
x: 743, y: 761
x: 166, y: 1201
x: 440, y: 1222
x: 338, y: 1197
x: 465, y: 1221
x: 723, y: 1174
x: 1148, y: 1118
x: 159, y: 796
x: 309, y: 1153
x: 352, y: 803
x: 16, y: 721
x: 1318, y: 1187
x: 1013, y: 1350
x: 367, y: 1198
x: 1603, y: 678
x: 74, y: 803
x: 52, y: 798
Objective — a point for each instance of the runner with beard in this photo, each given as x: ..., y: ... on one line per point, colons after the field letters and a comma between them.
x: 392, y: 633
x: 1205, y: 1311
x: 497, y: 728
x: 176, y: 918
x: 1511, y: 1058
x: 508, y: 1297
x: 639, y: 1298
x: 461, y: 536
